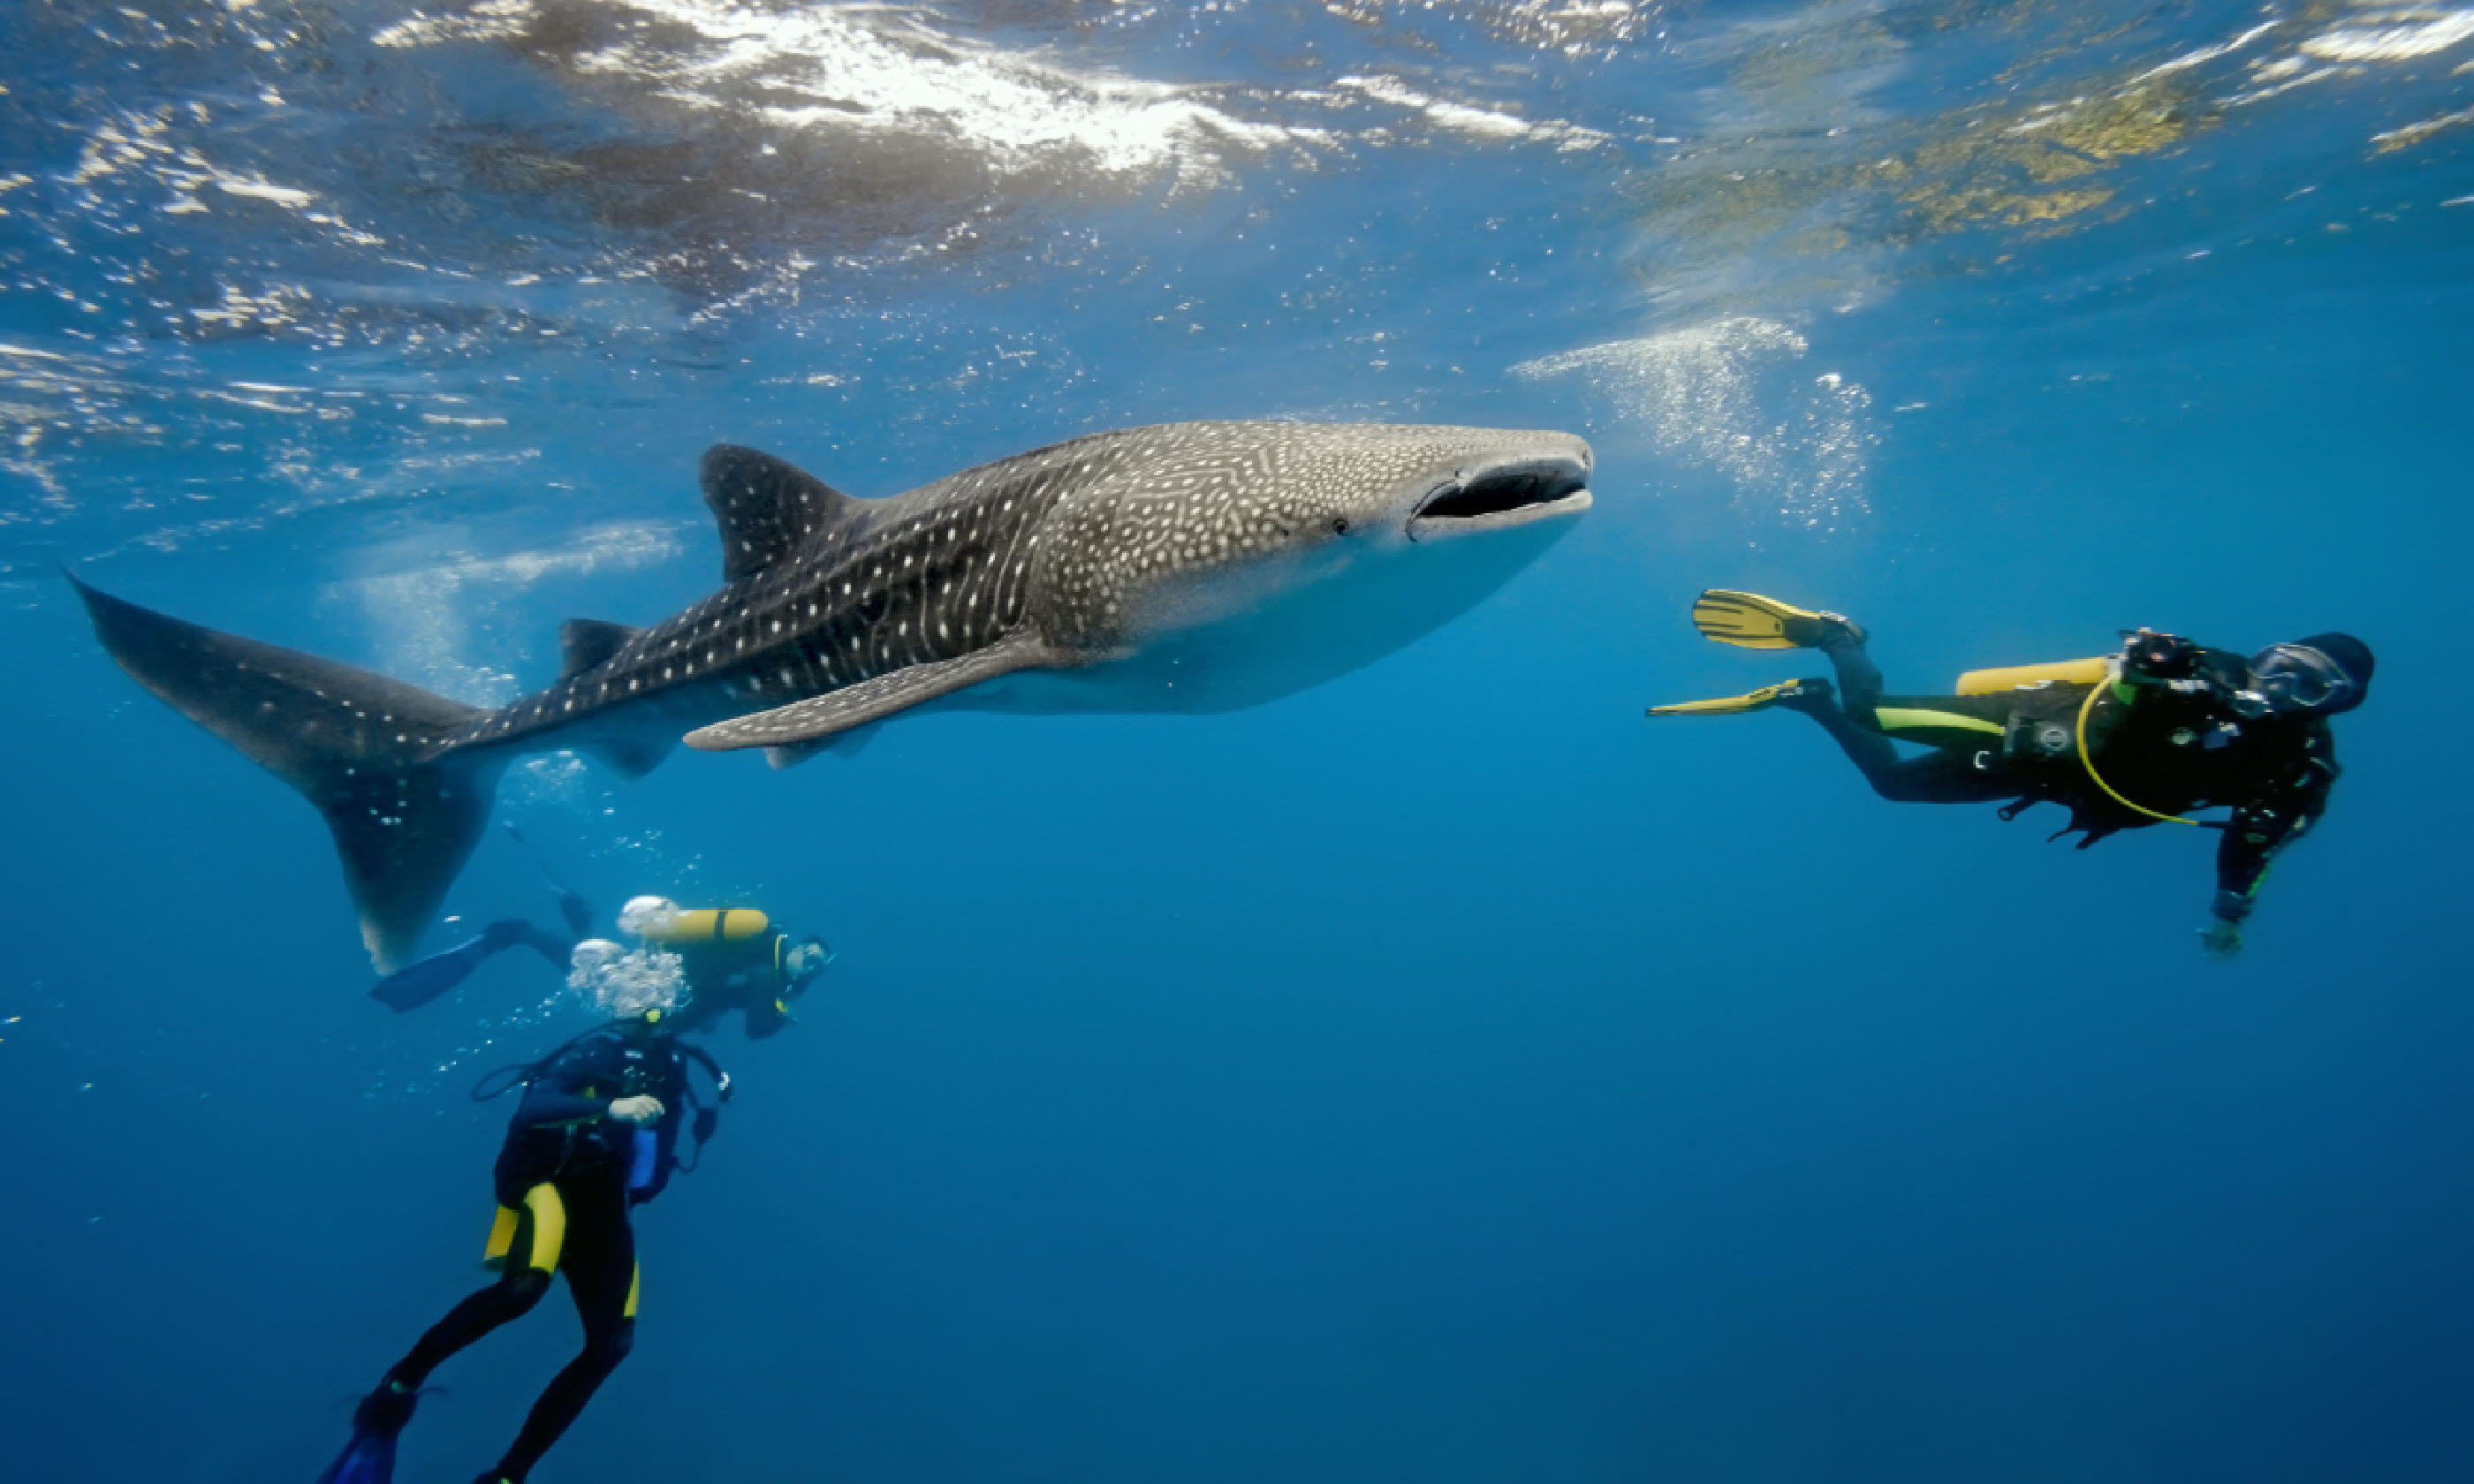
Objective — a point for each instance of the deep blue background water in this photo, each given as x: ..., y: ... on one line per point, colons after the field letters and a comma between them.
x: 1444, y: 1074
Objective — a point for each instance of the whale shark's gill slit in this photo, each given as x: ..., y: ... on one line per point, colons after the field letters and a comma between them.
x: 1498, y: 493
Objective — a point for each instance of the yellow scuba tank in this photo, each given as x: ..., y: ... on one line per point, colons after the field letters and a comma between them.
x: 726, y: 925
x: 2017, y: 677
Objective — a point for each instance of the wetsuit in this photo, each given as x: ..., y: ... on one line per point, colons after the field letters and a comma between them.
x: 2169, y: 750
x: 744, y: 973
x: 565, y: 1178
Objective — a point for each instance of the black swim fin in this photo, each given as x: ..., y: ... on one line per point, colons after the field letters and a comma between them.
x: 417, y: 984
x: 413, y: 987
x: 369, y: 1457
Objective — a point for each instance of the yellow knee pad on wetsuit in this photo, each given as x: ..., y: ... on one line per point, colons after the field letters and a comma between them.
x: 549, y: 1231
x: 549, y: 1238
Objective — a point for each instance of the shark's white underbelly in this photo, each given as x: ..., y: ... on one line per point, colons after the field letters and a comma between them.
x: 1285, y: 642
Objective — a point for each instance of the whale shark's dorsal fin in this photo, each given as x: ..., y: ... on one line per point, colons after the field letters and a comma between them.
x: 766, y: 507
x: 792, y: 729
x: 586, y: 642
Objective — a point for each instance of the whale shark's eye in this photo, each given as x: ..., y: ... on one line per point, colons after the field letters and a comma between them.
x: 1340, y: 525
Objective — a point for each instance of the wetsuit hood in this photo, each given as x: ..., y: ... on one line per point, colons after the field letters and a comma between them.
x: 2352, y: 658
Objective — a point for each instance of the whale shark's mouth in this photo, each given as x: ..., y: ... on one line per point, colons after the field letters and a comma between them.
x: 1495, y: 499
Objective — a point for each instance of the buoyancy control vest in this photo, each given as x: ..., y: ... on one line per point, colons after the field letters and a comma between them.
x: 612, y: 1062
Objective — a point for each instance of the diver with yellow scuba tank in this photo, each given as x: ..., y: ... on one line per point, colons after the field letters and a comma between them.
x: 734, y: 958
x: 595, y: 1134
x: 2139, y: 737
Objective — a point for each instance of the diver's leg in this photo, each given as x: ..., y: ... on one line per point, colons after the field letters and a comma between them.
x: 1963, y: 772
x: 600, y: 1268
x: 1941, y: 777
x: 1869, y: 750
x: 549, y: 945
x: 1859, y: 680
x: 531, y: 1258
x: 1849, y: 718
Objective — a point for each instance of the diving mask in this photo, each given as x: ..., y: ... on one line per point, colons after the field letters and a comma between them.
x: 2294, y: 680
x: 803, y: 962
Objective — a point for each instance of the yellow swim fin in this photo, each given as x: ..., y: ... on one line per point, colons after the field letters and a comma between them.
x: 1750, y: 621
x: 1761, y: 700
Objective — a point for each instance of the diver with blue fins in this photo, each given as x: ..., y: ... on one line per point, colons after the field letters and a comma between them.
x: 2139, y: 737
x: 595, y: 1134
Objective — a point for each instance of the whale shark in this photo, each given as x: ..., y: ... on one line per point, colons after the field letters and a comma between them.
x: 1189, y: 566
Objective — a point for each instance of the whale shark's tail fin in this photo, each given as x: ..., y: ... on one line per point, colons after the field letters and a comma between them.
x: 379, y: 758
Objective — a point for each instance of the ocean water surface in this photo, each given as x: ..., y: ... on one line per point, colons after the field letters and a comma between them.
x: 1441, y: 1074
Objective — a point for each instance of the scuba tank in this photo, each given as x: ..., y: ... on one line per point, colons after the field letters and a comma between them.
x: 2148, y: 657
x: 2031, y: 676
x: 726, y: 924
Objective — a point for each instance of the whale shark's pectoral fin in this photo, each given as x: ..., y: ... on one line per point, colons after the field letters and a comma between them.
x: 842, y: 743
x: 818, y: 717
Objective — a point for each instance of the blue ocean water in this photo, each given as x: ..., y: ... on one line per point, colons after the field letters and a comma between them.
x: 1441, y: 1075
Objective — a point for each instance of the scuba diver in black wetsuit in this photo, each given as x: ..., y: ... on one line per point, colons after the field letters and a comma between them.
x: 595, y: 1134
x: 2123, y: 741
x: 734, y: 959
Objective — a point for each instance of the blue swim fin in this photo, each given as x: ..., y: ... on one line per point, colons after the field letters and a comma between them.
x: 369, y: 1457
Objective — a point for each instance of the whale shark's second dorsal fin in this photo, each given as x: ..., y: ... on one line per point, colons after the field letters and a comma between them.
x: 766, y: 507
x: 586, y: 642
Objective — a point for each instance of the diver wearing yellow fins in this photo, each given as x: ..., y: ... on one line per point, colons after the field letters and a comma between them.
x: 595, y: 1134
x: 2139, y: 737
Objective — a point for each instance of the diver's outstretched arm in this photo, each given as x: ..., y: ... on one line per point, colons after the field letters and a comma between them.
x: 2257, y: 834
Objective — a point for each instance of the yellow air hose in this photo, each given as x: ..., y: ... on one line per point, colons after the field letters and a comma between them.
x: 2087, y: 760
